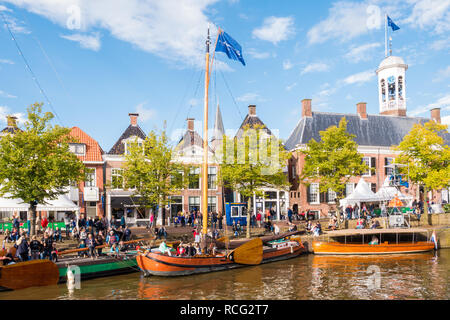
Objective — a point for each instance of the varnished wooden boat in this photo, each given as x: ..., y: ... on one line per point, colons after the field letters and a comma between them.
x: 27, y: 274
x: 336, y: 248
x: 158, y: 264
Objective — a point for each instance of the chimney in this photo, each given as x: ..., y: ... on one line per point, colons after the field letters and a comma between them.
x: 436, y: 114
x: 11, y: 121
x: 133, y: 118
x: 190, y: 124
x: 306, y: 108
x: 252, y: 110
x: 361, y: 109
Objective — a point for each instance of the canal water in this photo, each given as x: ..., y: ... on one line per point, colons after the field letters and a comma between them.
x: 416, y: 276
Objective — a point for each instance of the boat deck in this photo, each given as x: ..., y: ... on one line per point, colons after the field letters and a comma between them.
x: 348, y: 232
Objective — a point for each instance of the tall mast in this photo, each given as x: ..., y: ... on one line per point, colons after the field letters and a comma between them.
x: 205, y: 144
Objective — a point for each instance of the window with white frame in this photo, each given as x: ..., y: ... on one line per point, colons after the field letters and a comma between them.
x: 212, y: 204
x: 388, y: 161
x: 314, y: 193
x: 194, y: 178
x: 194, y: 203
x: 77, y: 148
x: 212, y: 177
x: 366, y: 161
x: 117, y: 178
x: 90, y: 177
x: 331, y: 196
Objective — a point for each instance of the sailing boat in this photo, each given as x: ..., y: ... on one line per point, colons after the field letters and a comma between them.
x: 251, y: 252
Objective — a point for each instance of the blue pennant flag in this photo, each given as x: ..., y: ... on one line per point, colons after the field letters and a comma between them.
x: 392, y: 24
x: 227, y: 44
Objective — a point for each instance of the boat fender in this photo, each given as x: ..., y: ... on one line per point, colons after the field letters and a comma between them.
x: 292, y: 249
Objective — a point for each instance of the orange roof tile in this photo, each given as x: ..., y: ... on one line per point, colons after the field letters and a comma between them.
x: 93, y: 150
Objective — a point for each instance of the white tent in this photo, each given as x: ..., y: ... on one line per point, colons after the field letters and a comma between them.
x: 62, y: 203
x: 362, y: 193
x: 387, y: 193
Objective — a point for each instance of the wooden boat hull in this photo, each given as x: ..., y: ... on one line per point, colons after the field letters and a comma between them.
x: 27, y: 274
x: 157, y: 264
x: 335, y: 248
x: 91, y: 269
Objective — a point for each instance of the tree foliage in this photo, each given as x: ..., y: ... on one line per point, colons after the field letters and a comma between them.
x: 333, y: 160
x: 252, y: 163
x: 426, y: 155
x: 151, y: 172
x: 35, y: 163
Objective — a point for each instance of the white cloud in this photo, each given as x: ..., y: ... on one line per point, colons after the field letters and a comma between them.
x: 289, y: 88
x: 443, y: 103
x: 440, y: 44
x: 16, y: 26
x: 193, y: 102
x: 250, y: 97
x: 433, y: 15
x: 442, y: 74
x: 346, y: 21
x: 172, y: 29
x: 315, y: 67
x: 445, y: 120
x: 6, y: 61
x: 359, y: 78
x: 361, y: 53
x: 287, y: 65
x: 258, y: 54
x: 85, y: 41
x: 6, y: 94
x: 275, y: 29
x: 145, y: 114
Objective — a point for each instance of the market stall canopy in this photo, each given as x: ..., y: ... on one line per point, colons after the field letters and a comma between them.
x: 62, y: 203
x: 362, y: 193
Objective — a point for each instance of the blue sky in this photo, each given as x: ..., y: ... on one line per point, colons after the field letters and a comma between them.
x: 98, y: 60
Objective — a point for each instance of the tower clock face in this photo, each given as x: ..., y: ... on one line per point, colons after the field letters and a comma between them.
x: 391, y: 79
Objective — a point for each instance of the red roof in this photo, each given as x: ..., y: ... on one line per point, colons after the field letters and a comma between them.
x: 93, y: 150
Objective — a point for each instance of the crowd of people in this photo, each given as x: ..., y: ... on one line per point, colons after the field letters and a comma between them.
x: 88, y: 233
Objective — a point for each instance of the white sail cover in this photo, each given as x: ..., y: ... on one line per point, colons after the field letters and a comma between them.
x: 362, y: 193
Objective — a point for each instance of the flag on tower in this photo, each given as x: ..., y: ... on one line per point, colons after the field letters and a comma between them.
x: 392, y: 24
x: 227, y: 44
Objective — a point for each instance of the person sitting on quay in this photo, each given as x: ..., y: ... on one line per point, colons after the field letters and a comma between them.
x: 112, y: 238
x: 91, y: 244
x: 57, y: 236
x: 14, y: 235
x: 276, y: 229
x: 47, y: 243
x: 360, y: 224
x: 22, y: 249
x: 332, y: 225
x: 83, y: 234
x: 162, y: 233
x: 114, y: 251
x: 292, y: 227
x: 317, y: 229
x: 35, y: 248
x: 375, y: 224
x: 7, y: 238
x: 127, y: 234
x: 54, y: 253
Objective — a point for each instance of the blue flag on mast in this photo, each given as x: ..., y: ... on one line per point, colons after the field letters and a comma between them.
x: 392, y: 24
x: 227, y: 44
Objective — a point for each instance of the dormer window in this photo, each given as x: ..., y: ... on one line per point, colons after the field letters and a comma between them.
x: 77, y: 148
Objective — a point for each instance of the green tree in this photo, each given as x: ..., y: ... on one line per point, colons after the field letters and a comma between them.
x: 150, y: 170
x: 427, y: 157
x: 252, y: 163
x: 332, y: 161
x: 36, y: 164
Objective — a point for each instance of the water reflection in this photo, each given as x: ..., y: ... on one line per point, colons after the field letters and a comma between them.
x: 417, y: 276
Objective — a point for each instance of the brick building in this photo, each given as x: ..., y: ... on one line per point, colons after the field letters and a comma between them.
x: 88, y: 194
x: 375, y: 134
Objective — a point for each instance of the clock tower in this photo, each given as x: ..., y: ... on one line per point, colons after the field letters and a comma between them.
x: 392, y: 86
